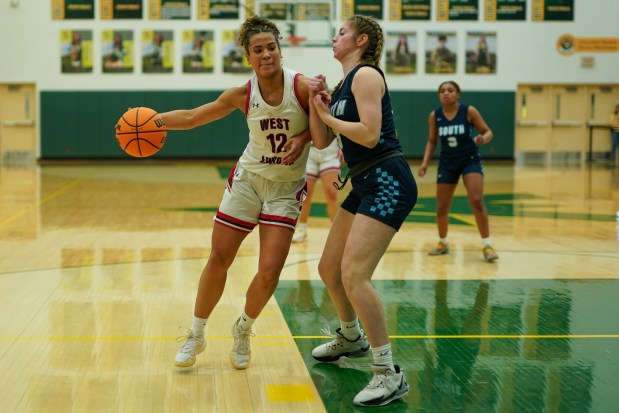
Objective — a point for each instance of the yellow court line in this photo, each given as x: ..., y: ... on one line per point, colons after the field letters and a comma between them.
x: 39, y: 203
x: 459, y: 217
x: 259, y: 338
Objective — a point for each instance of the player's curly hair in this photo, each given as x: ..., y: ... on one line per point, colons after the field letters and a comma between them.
x: 255, y: 25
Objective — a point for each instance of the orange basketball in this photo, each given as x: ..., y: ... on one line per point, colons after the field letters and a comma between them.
x: 141, y: 132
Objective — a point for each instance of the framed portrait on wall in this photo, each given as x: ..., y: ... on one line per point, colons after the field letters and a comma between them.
x: 76, y: 51
x: 481, y: 52
x: 234, y: 60
x: 117, y: 51
x: 441, y: 56
x: 198, y: 51
x: 157, y: 51
x: 401, y: 52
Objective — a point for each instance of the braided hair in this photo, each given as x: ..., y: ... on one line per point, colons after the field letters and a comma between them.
x: 376, y: 39
x: 255, y: 25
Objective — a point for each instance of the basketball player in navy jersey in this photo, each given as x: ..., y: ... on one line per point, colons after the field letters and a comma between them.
x: 265, y: 189
x: 452, y: 123
x: 382, y: 196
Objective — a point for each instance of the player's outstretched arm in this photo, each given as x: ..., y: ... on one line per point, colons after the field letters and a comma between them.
x: 225, y: 104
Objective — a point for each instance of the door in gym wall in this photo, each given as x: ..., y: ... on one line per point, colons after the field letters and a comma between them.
x: 17, y: 122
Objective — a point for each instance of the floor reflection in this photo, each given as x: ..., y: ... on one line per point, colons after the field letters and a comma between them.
x: 480, y: 346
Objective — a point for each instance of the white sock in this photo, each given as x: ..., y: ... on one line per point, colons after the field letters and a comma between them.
x: 245, y: 322
x: 301, y: 226
x: 383, y: 356
x: 486, y: 242
x: 351, y: 329
x: 443, y: 240
x: 198, y: 325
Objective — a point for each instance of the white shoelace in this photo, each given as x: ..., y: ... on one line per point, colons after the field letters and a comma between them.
x: 189, y: 338
x: 241, y: 342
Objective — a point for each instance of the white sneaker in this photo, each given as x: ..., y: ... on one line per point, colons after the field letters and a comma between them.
x: 340, y: 346
x: 193, y: 346
x: 300, y: 235
x: 240, y: 355
x: 385, y: 387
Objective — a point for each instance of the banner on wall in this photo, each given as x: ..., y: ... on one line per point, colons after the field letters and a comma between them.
x: 121, y: 9
x: 157, y: 51
x: 76, y: 51
x: 169, y: 9
x: 552, y: 10
x: 440, y: 54
x: 505, y: 10
x: 447, y: 10
x: 198, y: 51
x: 234, y: 60
x: 73, y: 9
x: 401, y: 51
x: 568, y: 44
x: 410, y: 9
x: 217, y: 9
x: 117, y: 51
x: 372, y: 8
x: 481, y: 52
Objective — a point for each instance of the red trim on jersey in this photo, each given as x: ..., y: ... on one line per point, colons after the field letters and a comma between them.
x: 233, y: 222
x: 231, y: 178
x: 296, y: 93
x: 302, y: 194
x: 277, y: 220
x: 247, y: 98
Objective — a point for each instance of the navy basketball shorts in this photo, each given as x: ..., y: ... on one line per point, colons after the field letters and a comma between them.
x: 386, y: 192
x: 450, y: 170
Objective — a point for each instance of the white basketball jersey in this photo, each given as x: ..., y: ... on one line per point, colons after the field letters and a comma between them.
x: 269, y: 129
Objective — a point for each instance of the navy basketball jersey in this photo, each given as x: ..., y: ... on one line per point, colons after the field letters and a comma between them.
x: 455, y: 134
x: 344, y: 107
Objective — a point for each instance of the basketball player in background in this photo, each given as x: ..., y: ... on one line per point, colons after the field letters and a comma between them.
x: 452, y: 123
x: 266, y: 187
x: 323, y: 164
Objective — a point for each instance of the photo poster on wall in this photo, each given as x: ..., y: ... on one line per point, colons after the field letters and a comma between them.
x: 234, y: 59
x: 505, y: 10
x: 217, y: 9
x: 198, y: 47
x: 121, y: 9
x: 73, y: 9
x: 410, y: 10
x: 448, y: 10
x: 169, y: 9
x: 117, y: 51
x: 372, y: 8
x: 440, y: 54
x: 76, y: 51
x: 552, y: 10
x: 157, y: 51
x: 481, y: 52
x: 401, y: 52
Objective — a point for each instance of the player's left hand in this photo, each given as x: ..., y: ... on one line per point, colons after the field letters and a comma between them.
x: 293, y: 148
x: 479, y: 139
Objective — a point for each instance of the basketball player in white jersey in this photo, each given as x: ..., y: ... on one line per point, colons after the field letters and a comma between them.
x: 266, y: 187
x: 323, y: 164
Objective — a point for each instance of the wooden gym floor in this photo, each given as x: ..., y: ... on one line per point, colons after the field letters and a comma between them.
x: 99, y: 265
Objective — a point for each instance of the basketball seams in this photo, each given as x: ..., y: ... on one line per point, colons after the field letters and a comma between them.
x: 140, y: 143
